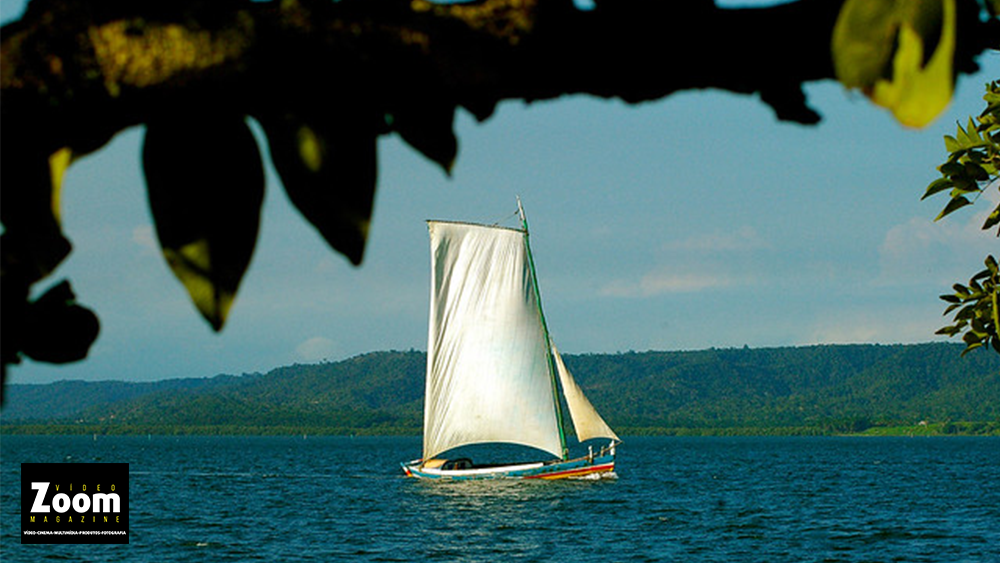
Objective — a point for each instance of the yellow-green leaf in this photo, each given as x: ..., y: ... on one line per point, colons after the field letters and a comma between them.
x: 58, y: 163
x: 951, y: 144
x: 205, y: 182
x: 328, y: 166
x: 192, y: 264
x: 918, y: 93
x: 900, y: 53
x: 863, y: 40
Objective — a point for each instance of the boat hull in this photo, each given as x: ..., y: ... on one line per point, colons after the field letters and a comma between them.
x: 589, y: 467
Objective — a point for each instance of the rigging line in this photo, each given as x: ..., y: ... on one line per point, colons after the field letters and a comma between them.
x: 504, y: 219
x: 519, y: 212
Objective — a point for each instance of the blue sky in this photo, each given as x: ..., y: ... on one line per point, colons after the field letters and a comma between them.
x: 692, y: 222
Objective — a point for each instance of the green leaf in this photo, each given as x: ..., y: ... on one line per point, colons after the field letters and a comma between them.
x: 991, y: 265
x: 955, y: 204
x: 972, y: 130
x: 937, y: 186
x: 976, y: 172
x: 976, y: 287
x: 951, y: 168
x: 964, y: 140
x: 970, y: 348
x: 951, y: 144
x: 963, y: 185
x: 329, y: 169
x: 205, y: 182
x: 948, y: 331
x: 992, y: 95
x: 966, y: 313
x: 972, y: 340
x: 969, y: 137
x: 993, y: 219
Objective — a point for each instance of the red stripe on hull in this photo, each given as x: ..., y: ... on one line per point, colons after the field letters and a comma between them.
x: 575, y: 472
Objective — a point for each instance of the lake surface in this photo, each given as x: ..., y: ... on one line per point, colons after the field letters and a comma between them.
x: 911, y: 500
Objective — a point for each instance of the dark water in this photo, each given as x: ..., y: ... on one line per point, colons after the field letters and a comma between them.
x: 677, y: 499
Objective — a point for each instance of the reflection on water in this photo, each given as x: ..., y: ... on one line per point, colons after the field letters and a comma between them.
x: 486, y: 520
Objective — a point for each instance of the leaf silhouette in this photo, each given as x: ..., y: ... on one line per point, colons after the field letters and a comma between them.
x: 33, y: 241
x: 205, y: 182
x: 329, y: 170
x: 57, y: 329
x: 428, y: 126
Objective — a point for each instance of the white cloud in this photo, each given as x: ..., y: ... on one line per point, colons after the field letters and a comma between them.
x: 924, y: 250
x: 883, y: 323
x: 664, y: 282
x: 143, y: 236
x: 702, y: 262
x: 316, y: 348
x: 743, y: 239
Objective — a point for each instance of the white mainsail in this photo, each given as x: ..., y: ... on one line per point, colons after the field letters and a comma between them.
x: 488, y: 370
x: 587, y: 423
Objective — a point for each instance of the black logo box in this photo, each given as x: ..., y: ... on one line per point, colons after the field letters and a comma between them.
x: 74, y: 503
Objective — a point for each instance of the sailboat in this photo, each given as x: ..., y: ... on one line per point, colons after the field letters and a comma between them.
x: 493, y: 372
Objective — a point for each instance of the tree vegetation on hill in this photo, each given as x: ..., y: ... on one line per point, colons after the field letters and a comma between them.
x: 811, y: 390
x: 791, y: 387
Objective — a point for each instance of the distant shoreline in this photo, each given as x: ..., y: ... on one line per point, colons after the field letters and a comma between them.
x: 843, y: 390
x: 50, y: 429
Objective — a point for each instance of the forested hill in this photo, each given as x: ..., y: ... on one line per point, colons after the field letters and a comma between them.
x: 816, y: 389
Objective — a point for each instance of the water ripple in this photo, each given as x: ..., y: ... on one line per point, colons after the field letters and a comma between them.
x: 677, y: 499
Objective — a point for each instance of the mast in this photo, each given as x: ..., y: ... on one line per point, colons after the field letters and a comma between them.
x: 545, y: 331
